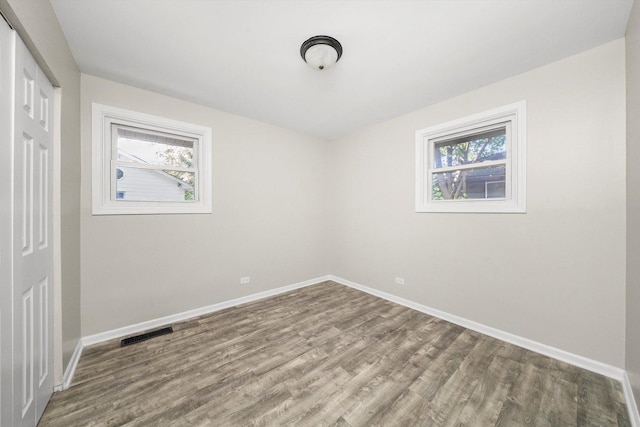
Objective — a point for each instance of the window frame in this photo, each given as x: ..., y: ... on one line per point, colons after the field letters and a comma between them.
x: 104, y: 200
x: 513, y: 116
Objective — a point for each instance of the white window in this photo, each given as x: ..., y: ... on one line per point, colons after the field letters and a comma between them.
x: 144, y: 164
x: 475, y: 164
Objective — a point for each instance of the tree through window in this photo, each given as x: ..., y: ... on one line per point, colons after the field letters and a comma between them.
x: 475, y: 164
x: 470, y: 167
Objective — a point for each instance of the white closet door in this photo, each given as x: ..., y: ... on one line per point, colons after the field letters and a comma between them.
x: 7, y: 67
x: 32, y: 251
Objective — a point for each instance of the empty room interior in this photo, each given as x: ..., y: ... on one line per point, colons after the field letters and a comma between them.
x: 320, y: 212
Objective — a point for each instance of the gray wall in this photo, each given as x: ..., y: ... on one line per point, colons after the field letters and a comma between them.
x: 562, y: 263
x: 633, y: 201
x: 556, y: 274
x: 38, y: 26
x: 269, y: 221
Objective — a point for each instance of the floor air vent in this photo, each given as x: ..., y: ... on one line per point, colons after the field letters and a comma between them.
x: 146, y: 336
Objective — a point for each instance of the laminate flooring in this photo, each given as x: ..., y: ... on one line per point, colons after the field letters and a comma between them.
x: 329, y: 355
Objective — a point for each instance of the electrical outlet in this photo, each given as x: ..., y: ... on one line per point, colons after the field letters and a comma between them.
x: 399, y: 281
x: 245, y: 280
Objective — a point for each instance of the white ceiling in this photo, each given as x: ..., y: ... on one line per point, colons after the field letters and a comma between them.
x: 242, y: 56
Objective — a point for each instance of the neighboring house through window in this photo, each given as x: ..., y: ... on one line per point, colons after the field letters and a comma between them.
x: 143, y: 184
x: 475, y: 164
x: 144, y: 164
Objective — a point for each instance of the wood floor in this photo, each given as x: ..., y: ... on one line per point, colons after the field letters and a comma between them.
x: 329, y: 355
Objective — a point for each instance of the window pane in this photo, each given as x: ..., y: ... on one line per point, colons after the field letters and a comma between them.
x: 489, y: 145
x: 476, y: 183
x: 139, y: 146
x: 157, y: 185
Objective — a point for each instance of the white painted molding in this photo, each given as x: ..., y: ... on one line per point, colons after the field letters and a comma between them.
x: 631, y: 402
x: 71, y: 367
x: 102, y: 203
x: 162, y: 321
x: 556, y: 353
x: 512, y: 118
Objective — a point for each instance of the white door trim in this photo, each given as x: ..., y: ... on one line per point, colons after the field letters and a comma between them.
x: 7, y: 70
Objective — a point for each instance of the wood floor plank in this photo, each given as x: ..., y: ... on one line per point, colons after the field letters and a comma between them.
x: 487, y: 379
x: 523, y: 402
x: 329, y: 355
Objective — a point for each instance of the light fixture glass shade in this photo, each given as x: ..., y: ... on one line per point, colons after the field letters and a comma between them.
x: 321, y: 52
x: 321, y: 56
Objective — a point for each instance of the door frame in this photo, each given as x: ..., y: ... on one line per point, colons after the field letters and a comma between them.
x: 6, y: 225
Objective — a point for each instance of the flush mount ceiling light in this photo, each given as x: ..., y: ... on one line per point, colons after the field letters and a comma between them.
x: 321, y: 52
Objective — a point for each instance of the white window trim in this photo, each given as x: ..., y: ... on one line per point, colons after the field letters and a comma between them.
x: 103, y: 116
x: 515, y: 201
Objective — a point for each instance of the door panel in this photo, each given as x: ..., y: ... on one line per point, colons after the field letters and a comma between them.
x: 42, y: 237
x: 26, y: 192
x: 32, y: 260
x: 26, y: 141
x: 44, y: 327
x: 26, y: 378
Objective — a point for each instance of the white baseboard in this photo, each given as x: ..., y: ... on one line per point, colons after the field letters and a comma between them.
x: 556, y: 353
x: 162, y: 321
x: 631, y: 402
x: 71, y: 368
x: 565, y: 356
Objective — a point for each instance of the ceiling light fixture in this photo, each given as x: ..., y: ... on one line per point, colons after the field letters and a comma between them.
x: 321, y: 52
